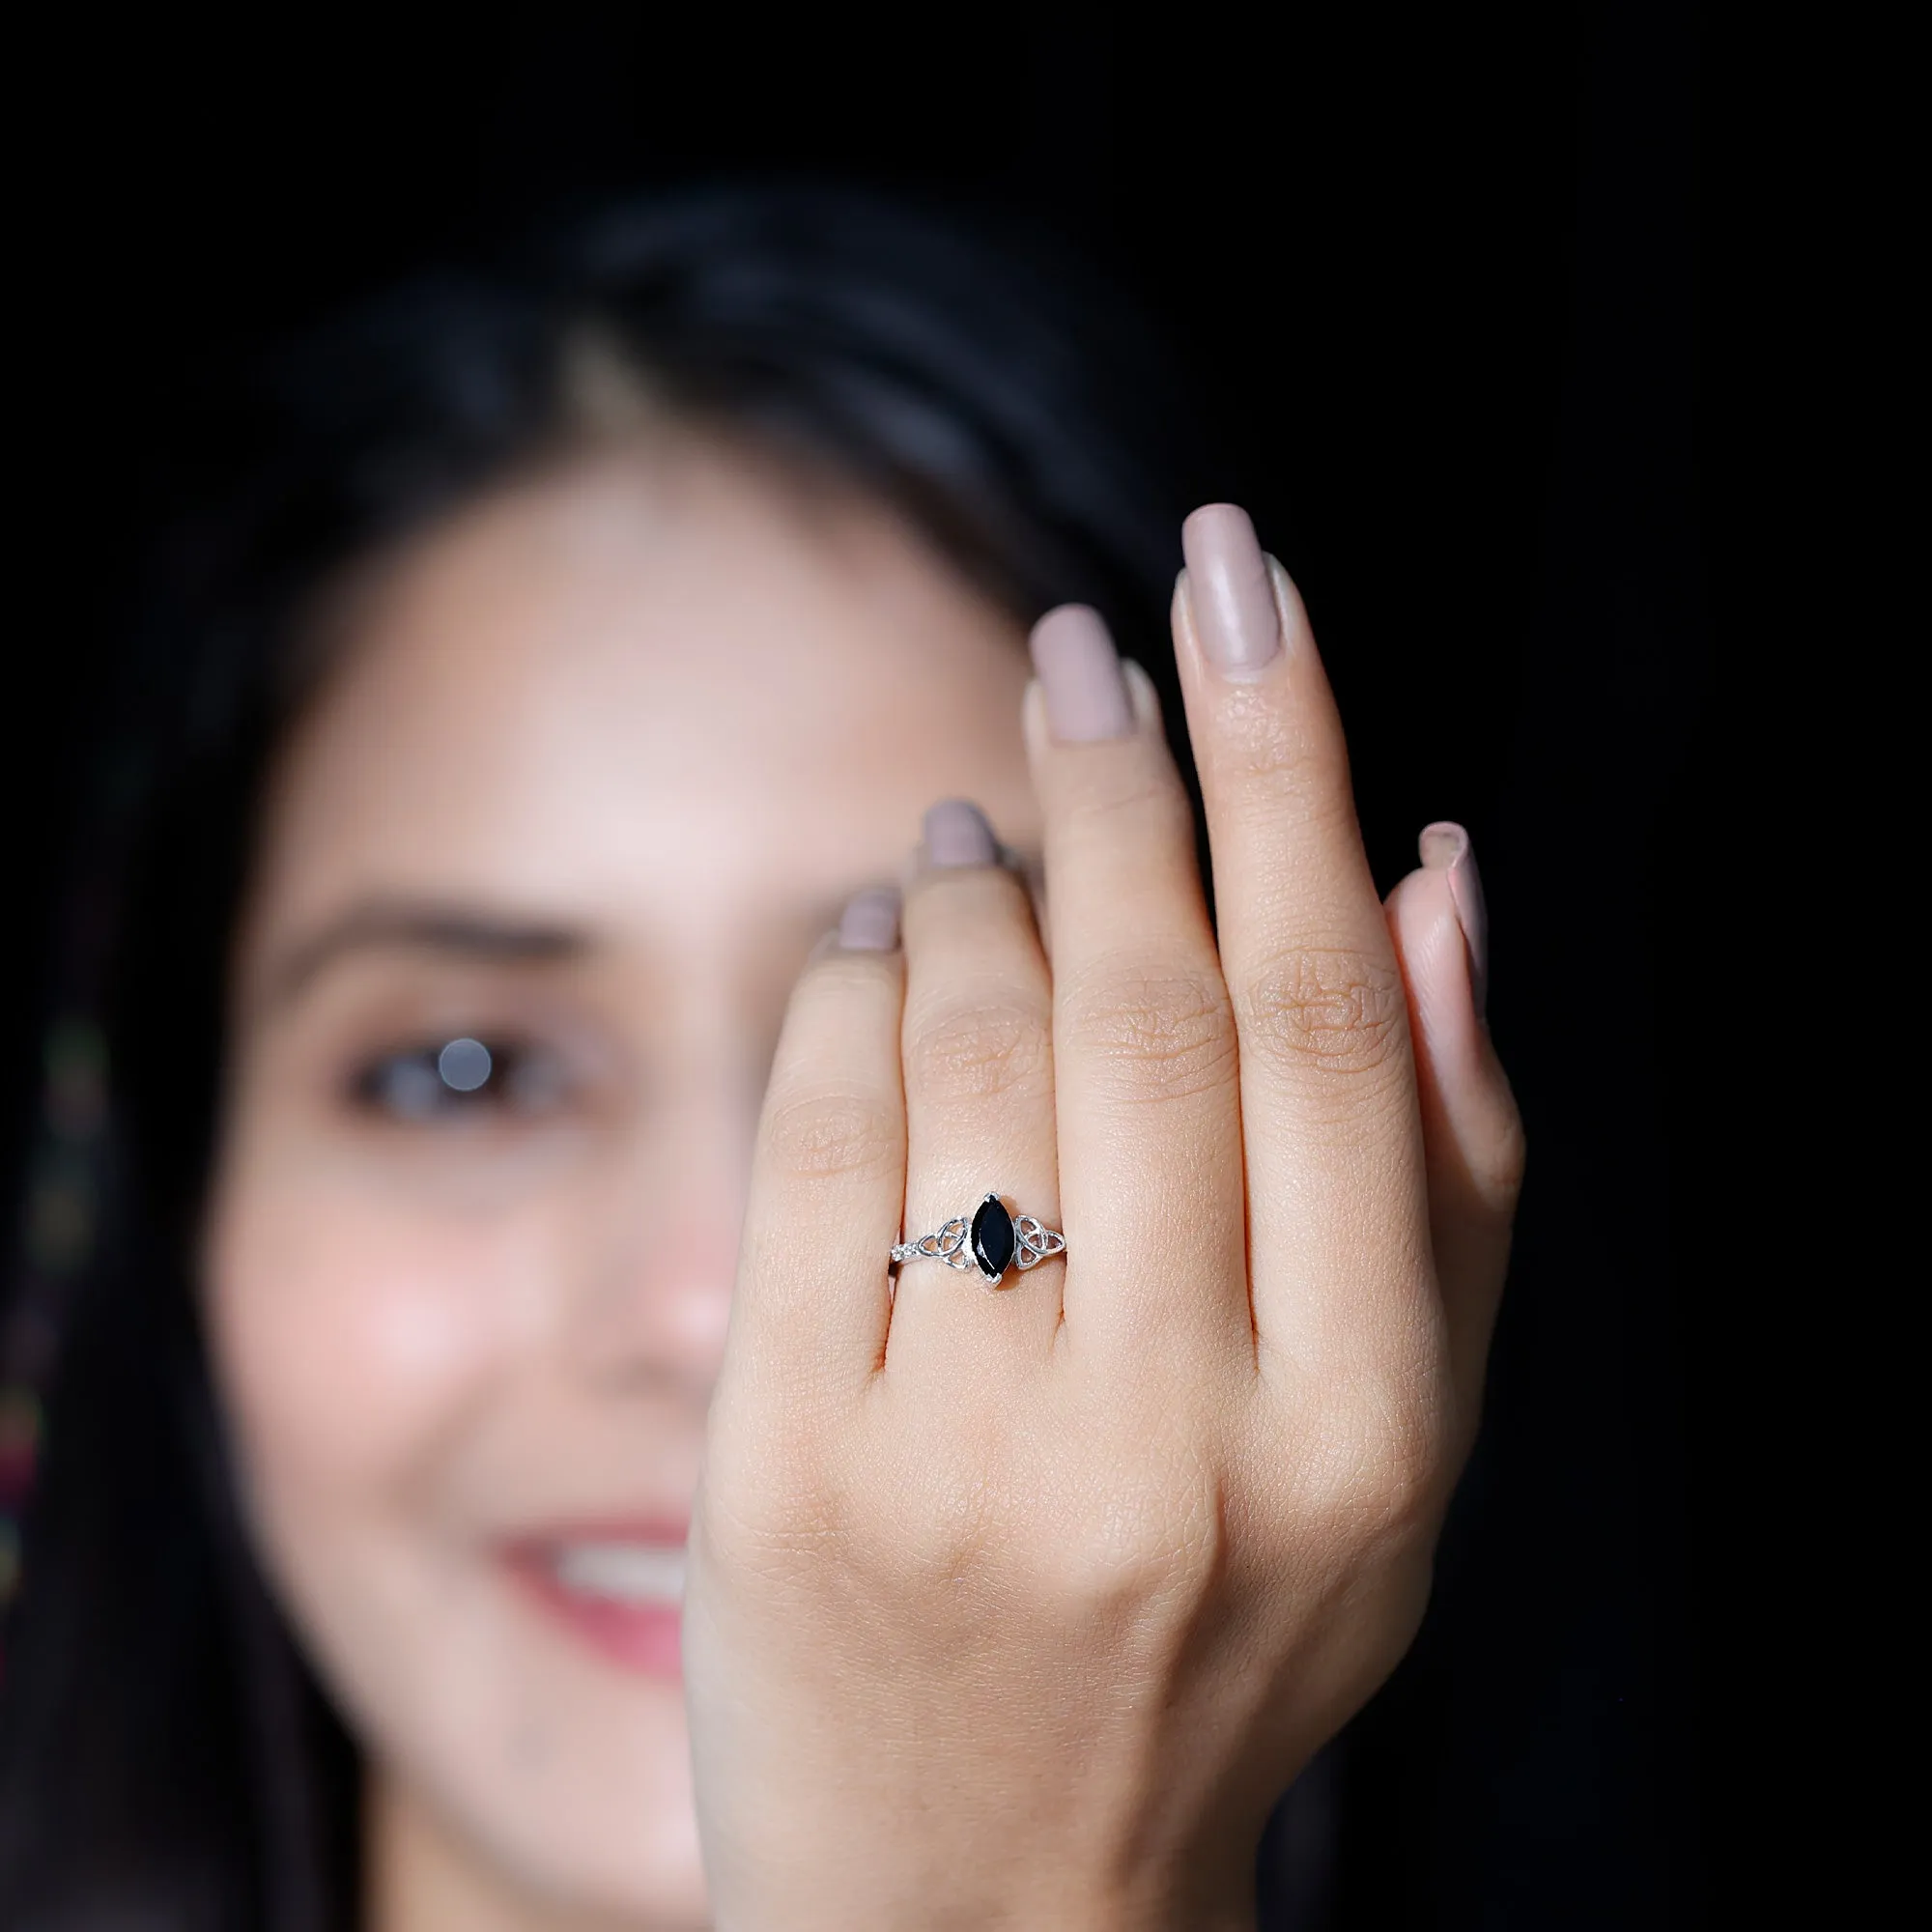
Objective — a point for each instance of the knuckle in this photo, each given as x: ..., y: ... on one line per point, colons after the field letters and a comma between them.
x: 990, y: 1048
x: 945, y: 1524
x: 1167, y: 1032
x: 1279, y: 762
x: 1122, y: 1560
x: 1158, y: 1537
x: 837, y: 985
x: 826, y: 1133
x: 1132, y: 799
x: 1387, y: 1460
x: 1331, y: 1010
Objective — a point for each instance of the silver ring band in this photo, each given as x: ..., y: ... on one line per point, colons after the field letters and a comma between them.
x: 989, y: 1240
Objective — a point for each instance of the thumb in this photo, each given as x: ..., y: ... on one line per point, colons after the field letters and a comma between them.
x: 1473, y: 1134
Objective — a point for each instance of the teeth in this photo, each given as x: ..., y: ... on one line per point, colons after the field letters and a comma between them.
x: 626, y: 1573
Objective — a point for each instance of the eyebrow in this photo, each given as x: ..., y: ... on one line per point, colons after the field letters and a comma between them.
x: 459, y: 932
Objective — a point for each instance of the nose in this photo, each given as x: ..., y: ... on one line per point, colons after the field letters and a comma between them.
x: 655, y: 1295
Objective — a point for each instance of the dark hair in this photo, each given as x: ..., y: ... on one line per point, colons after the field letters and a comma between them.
x: 165, y: 1757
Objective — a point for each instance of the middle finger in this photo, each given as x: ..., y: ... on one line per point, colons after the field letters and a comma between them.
x: 1148, y: 1107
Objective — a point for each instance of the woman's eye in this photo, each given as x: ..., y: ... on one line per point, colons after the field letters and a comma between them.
x: 462, y: 1078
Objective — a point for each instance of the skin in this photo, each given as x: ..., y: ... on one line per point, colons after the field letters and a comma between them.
x: 633, y: 730
x: 1075, y: 1584
x: 622, y: 703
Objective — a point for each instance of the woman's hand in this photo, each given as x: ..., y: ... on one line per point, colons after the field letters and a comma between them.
x: 1021, y: 1607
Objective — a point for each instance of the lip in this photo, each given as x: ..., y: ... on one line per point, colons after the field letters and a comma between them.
x: 642, y: 1639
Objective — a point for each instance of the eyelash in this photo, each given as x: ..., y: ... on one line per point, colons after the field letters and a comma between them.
x: 460, y: 1077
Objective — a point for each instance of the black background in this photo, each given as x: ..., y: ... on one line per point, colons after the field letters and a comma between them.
x: 1437, y: 275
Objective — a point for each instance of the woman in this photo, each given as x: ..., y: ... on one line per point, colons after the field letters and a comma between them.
x: 651, y: 818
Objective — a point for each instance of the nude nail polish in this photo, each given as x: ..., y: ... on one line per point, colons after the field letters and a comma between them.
x: 957, y: 833
x: 871, y: 921
x: 1080, y: 676
x: 1446, y: 848
x: 1229, y: 590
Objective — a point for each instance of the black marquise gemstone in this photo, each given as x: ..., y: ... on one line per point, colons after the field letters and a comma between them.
x: 992, y: 1237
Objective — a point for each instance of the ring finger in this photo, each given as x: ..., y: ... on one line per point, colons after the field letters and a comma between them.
x: 978, y: 1047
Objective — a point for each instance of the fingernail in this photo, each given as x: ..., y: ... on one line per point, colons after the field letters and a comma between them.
x: 1446, y: 848
x: 957, y: 833
x: 1080, y: 674
x: 1229, y: 590
x: 871, y: 921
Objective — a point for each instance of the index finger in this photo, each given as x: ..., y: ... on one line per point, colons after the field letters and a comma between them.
x: 1337, y: 1200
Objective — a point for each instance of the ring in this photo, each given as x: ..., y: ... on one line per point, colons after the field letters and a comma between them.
x: 992, y: 1241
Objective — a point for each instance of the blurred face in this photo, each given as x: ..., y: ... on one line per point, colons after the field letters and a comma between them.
x: 598, y: 763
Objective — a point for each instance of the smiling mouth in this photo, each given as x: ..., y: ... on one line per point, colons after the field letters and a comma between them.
x: 619, y: 1573
x: 622, y: 1596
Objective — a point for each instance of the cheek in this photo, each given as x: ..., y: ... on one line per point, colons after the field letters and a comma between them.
x: 351, y: 1336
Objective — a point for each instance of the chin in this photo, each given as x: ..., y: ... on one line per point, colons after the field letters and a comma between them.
x: 592, y: 1822
x: 515, y: 1760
